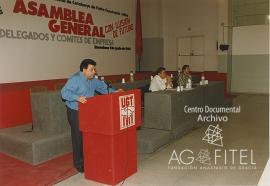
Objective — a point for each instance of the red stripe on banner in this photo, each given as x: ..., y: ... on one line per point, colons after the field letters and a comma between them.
x: 139, y: 42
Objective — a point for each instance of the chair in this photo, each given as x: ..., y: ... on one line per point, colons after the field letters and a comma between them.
x: 33, y: 90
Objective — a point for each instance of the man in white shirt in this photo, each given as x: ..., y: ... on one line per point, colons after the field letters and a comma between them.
x: 160, y: 81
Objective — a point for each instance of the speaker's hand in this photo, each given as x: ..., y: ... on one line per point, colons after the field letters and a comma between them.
x: 82, y: 99
x: 120, y: 90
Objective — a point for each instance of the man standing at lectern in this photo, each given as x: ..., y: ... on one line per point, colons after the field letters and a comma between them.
x: 78, y: 88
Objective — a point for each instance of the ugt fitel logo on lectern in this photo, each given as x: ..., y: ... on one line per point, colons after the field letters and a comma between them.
x: 127, y: 111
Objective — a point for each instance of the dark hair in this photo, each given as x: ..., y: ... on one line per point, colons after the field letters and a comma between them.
x: 160, y: 69
x: 185, y: 67
x: 84, y: 64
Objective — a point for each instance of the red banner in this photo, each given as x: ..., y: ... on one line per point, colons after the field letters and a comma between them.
x: 139, y: 42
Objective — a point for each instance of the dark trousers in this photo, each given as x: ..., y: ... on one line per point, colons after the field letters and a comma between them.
x: 76, y: 136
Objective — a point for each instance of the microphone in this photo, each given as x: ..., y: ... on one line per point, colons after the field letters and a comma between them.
x: 108, y: 85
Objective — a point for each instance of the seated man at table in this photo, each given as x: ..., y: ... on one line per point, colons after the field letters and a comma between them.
x: 161, y: 81
x: 184, y: 76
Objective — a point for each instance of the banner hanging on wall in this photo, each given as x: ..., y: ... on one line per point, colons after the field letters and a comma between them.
x: 99, y: 28
x: 76, y: 25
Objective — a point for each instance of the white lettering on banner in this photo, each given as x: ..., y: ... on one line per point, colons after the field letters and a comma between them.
x: 127, y: 111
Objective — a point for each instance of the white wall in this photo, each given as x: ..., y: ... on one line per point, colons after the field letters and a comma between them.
x: 250, y: 61
x: 251, y: 40
x: 199, y: 15
x: 223, y: 19
x: 151, y: 13
x: 152, y: 20
x: 223, y: 6
x: 30, y: 60
x: 170, y: 19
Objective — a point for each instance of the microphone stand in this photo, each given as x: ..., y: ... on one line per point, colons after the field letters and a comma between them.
x: 108, y: 86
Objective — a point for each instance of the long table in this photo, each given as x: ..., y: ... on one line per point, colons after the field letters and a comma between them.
x: 132, y: 85
x: 164, y: 110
